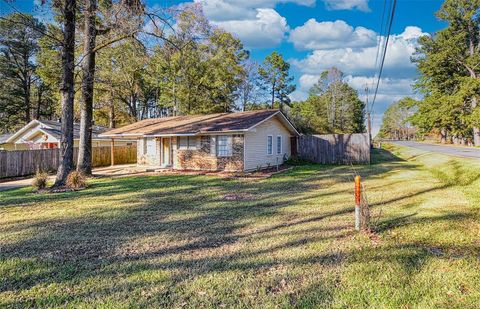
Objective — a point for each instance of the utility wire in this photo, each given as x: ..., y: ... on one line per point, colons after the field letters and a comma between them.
x: 379, y: 41
x: 392, y: 14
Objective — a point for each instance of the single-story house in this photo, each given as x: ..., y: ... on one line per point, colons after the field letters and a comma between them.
x: 242, y: 141
x: 45, y: 134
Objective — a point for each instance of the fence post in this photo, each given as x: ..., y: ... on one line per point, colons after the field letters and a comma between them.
x: 358, y: 193
x: 112, y: 152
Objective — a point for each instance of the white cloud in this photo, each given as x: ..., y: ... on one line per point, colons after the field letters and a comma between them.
x: 255, y: 22
x: 389, y: 88
x: 298, y: 95
x: 225, y: 10
x: 361, y: 5
x: 266, y: 29
x: 220, y: 10
x: 331, y: 35
x: 361, y: 61
x: 305, y: 82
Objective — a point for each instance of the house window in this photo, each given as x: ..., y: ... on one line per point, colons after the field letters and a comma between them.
x: 269, y: 144
x: 151, y: 146
x: 224, y: 145
x: 187, y: 143
x: 279, y: 144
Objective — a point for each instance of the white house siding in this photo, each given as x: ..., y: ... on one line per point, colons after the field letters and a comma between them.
x: 256, y: 145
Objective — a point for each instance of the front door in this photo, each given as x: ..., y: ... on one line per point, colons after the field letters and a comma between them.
x: 166, y: 152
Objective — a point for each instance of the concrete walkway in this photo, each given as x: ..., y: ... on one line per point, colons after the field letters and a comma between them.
x: 458, y: 151
x: 109, y: 171
x: 21, y: 183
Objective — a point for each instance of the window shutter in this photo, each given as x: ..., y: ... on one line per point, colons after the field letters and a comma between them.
x: 230, y: 145
x: 144, y: 145
x: 198, y: 145
x: 213, y: 146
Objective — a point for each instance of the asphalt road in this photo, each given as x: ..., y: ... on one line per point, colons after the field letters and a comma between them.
x: 465, y: 152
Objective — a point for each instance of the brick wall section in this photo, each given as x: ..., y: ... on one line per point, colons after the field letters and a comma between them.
x: 203, y: 159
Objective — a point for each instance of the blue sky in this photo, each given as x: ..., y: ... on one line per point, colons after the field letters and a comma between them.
x: 316, y: 34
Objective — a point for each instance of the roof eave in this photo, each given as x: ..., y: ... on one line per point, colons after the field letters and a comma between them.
x: 12, y: 138
x: 121, y: 135
x: 241, y: 131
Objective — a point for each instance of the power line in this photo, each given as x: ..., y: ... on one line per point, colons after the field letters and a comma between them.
x: 379, y: 41
x: 392, y: 14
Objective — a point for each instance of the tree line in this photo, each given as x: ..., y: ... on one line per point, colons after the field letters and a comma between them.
x: 113, y: 62
x: 449, y: 67
x: 397, y: 121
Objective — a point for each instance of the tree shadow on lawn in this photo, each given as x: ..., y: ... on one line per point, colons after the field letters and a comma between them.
x: 303, y: 179
x: 180, y: 224
x: 74, y: 250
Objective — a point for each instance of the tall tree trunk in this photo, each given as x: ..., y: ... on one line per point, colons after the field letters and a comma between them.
x: 67, y: 92
x: 476, y: 130
x: 39, y: 102
x: 26, y: 103
x: 84, y: 163
x: 112, y: 122
x: 443, y: 136
x: 111, y: 113
x: 273, y: 94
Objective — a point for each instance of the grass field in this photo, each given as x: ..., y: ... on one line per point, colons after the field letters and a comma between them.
x: 174, y: 241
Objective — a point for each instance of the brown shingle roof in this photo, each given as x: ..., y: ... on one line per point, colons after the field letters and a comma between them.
x: 194, y: 124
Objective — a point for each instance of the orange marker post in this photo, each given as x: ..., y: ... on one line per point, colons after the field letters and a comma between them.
x: 358, y: 200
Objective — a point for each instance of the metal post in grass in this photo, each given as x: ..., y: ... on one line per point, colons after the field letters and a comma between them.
x: 358, y: 193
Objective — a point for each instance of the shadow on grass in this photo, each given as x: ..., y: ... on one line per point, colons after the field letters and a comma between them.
x: 181, y: 224
x: 382, y: 155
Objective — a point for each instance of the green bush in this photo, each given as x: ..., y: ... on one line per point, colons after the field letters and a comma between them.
x: 296, y: 161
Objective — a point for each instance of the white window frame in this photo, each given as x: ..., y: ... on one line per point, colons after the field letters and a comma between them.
x: 189, y: 140
x: 229, y: 145
x: 279, y: 150
x: 151, y: 144
x: 270, y: 147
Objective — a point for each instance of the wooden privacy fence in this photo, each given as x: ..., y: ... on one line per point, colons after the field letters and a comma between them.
x: 335, y: 148
x: 27, y: 162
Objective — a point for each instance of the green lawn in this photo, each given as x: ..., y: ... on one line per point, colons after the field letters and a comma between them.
x: 175, y: 241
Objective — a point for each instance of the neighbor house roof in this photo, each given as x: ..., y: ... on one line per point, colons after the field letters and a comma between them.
x: 54, y: 128
x: 198, y: 124
x: 4, y: 137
